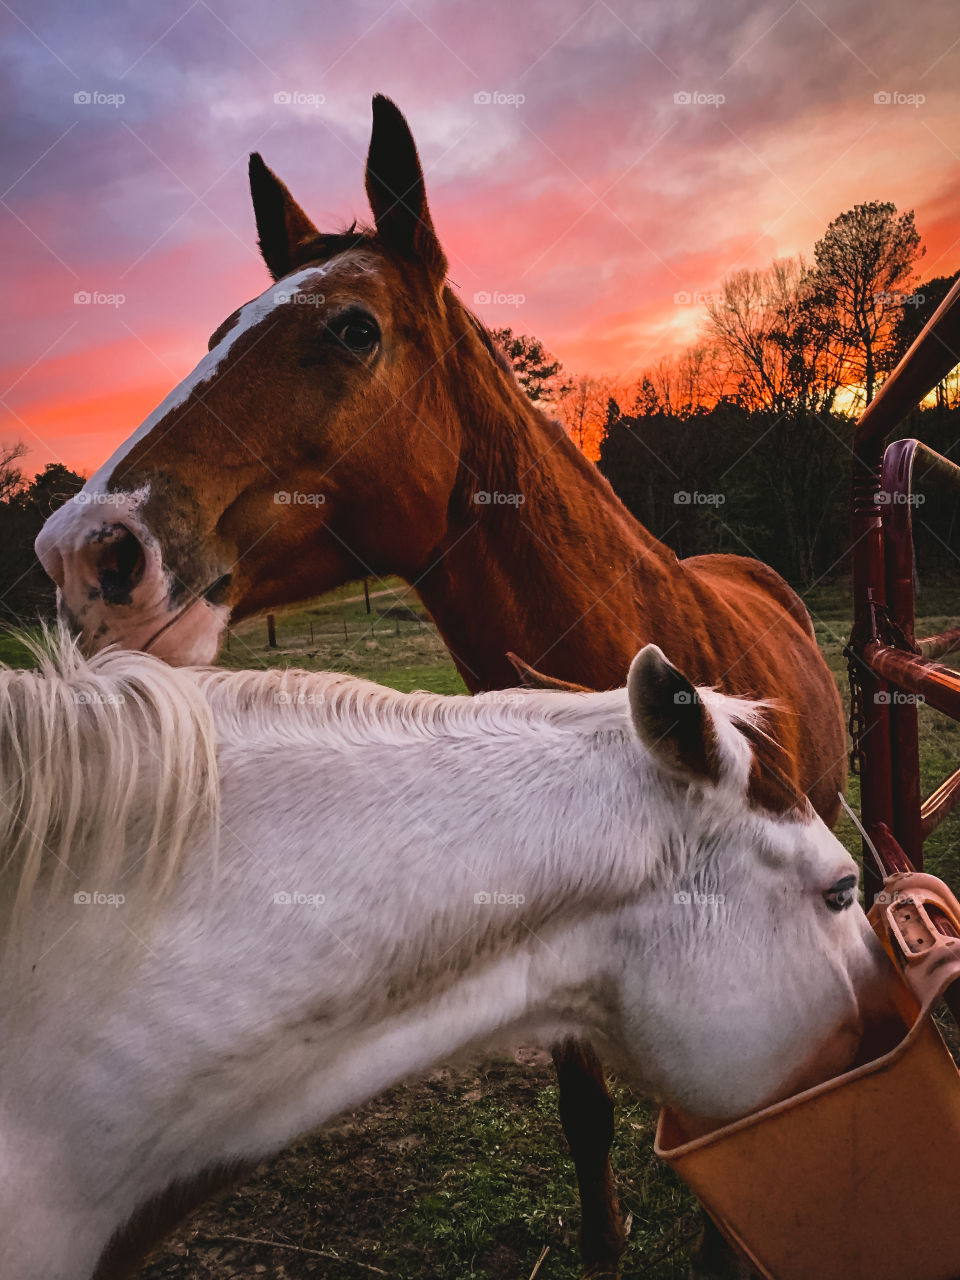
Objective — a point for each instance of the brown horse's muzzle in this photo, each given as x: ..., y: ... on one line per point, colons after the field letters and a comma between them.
x: 114, y: 587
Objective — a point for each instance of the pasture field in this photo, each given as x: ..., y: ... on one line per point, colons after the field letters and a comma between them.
x: 336, y: 633
x: 463, y: 1175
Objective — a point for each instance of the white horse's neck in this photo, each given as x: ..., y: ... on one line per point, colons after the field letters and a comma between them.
x: 559, y: 818
x: 357, y: 959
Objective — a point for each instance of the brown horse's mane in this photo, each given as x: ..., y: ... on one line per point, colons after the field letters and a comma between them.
x: 516, y: 432
x: 513, y: 425
x: 516, y: 424
x: 327, y: 244
x: 486, y: 338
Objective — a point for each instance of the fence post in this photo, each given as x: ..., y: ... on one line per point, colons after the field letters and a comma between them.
x: 271, y: 631
x: 366, y: 594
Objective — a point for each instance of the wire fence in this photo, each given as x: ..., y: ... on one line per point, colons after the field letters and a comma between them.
x: 378, y: 615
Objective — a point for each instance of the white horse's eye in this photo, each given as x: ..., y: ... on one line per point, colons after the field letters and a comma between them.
x: 842, y: 894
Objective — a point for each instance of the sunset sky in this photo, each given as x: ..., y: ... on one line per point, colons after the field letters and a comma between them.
x: 587, y: 185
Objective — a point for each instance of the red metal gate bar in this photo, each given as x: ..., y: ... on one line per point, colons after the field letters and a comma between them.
x: 896, y: 479
x: 940, y: 645
x: 869, y: 595
x: 901, y: 463
x: 938, y: 685
x: 940, y: 803
x: 883, y: 649
x: 928, y: 362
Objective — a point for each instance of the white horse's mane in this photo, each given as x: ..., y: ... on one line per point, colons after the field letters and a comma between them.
x: 108, y: 764
x: 343, y: 710
x: 107, y: 770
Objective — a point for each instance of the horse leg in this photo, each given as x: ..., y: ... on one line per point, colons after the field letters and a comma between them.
x: 586, y: 1114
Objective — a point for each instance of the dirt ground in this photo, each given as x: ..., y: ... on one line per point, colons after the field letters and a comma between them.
x: 461, y: 1176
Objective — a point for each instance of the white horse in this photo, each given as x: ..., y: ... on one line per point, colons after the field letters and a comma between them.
x: 236, y: 904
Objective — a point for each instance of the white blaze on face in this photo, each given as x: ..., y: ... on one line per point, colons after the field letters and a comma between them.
x: 248, y: 317
x: 67, y: 544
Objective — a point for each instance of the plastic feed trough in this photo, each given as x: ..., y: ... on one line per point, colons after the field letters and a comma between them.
x: 856, y: 1179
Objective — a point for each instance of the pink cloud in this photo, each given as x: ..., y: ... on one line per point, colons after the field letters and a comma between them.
x: 150, y: 200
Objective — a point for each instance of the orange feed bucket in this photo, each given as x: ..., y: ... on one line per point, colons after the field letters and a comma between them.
x: 858, y: 1178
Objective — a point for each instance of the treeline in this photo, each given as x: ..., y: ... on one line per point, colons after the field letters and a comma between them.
x: 26, y: 592
x: 766, y: 485
x: 742, y: 442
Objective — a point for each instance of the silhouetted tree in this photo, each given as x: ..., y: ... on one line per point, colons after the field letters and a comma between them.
x: 11, y: 475
x: 864, y: 267
x: 916, y: 310
x: 776, y: 339
x: 26, y: 593
x: 645, y: 398
x: 539, y: 373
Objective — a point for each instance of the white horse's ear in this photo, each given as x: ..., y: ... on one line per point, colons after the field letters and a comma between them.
x: 670, y: 718
x: 282, y: 226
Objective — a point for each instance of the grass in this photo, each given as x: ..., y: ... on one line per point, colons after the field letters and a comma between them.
x: 337, y: 634
x: 13, y: 653
x: 463, y: 1175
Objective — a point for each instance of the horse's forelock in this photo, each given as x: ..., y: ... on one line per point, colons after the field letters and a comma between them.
x: 751, y: 759
x: 321, y: 248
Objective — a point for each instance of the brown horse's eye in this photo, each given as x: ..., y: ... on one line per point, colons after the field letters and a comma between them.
x: 357, y: 332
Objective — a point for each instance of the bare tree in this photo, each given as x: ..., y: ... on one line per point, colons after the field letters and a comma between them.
x: 678, y: 385
x: 583, y: 411
x: 865, y: 268
x: 777, y: 339
x: 11, y: 476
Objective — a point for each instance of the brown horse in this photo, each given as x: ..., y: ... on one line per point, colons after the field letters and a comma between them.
x: 356, y: 419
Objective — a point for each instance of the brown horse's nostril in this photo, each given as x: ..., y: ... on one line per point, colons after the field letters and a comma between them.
x: 120, y: 564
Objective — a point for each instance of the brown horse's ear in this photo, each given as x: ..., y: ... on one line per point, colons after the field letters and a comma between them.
x: 670, y: 718
x: 281, y: 224
x: 396, y: 191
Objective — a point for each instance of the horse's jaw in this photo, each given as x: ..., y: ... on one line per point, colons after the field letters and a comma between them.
x: 189, y: 635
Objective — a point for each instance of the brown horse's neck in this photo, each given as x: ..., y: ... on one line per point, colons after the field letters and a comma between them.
x: 540, y: 556
x: 568, y: 581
